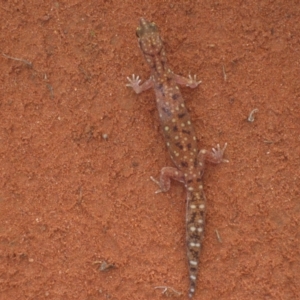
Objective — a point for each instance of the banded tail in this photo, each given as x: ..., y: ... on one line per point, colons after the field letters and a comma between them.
x: 195, y: 221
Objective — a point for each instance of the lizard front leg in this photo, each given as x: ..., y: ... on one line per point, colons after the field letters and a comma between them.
x: 134, y: 82
x: 187, y: 81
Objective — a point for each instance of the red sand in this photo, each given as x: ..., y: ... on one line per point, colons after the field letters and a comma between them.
x: 72, y: 198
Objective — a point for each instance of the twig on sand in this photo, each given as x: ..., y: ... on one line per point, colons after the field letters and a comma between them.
x: 18, y: 59
x: 168, y: 291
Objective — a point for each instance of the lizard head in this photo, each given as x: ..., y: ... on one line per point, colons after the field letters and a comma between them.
x: 150, y: 41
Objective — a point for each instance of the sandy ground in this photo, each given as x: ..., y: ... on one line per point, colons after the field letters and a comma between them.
x: 78, y: 215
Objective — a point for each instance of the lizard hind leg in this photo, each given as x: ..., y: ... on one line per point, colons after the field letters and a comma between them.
x: 166, y: 174
x: 215, y: 156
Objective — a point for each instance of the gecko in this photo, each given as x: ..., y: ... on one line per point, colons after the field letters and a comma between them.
x: 180, y: 139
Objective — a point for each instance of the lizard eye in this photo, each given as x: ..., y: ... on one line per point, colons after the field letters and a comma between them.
x: 153, y: 26
x: 138, y: 31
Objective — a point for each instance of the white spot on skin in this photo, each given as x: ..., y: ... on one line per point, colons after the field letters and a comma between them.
x: 193, y: 277
x: 176, y: 137
x: 192, y: 290
x: 176, y: 154
x: 200, y: 229
x: 197, y: 245
x: 189, y: 122
x: 168, y: 144
x: 192, y: 244
x: 173, y: 120
x: 190, y: 188
x: 194, y: 138
x: 182, y: 124
x: 200, y: 221
x: 182, y: 105
x: 201, y: 206
x: 203, y: 151
x: 192, y: 228
x: 167, y: 128
x: 200, y: 186
x: 192, y: 206
x: 194, y: 263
